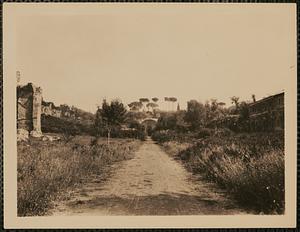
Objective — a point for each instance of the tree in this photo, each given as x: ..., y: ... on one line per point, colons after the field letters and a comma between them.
x: 244, y: 116
x: 216, y: 110
x: 155, y: 99
x: 65, y: 110
x: 135, y: 106
x: 166, y: 121
x: 214, y: 104
x: 195, y: 115
x: 221, y: 104
x: 173, y: 100
x: 167, y: 99
x: 181, y: 124
x: 144, y: 101
x: 98, y: 124
x: 110, y: 115
x: 235, y: 101
x: 151, y: 105
x: 244, y: 111
x: 135, y: 115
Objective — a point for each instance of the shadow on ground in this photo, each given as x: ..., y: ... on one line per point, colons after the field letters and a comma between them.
x: 162, y: 204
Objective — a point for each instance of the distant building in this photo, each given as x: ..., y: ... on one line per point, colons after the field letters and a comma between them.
x: 48, y: 108
x: 31, y: 108
x: 56, y: 112
x: 267, y: 113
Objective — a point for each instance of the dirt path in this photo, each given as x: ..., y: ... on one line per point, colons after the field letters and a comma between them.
x: 151, y: 183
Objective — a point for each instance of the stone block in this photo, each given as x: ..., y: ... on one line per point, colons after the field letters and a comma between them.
x: 36, y: 134
x: 22, y: 135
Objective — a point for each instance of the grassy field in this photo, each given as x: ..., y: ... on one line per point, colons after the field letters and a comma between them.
x: 45, y: 169
x: 249, y: 166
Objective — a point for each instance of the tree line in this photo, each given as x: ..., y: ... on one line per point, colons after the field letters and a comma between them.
x: 112, y: 117
x: 151, y: 104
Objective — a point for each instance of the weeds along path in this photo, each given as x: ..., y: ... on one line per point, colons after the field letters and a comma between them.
x: 151, y: 183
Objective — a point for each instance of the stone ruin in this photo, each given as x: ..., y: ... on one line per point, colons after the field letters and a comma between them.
x: 29, y: 108
x: 29, y: 111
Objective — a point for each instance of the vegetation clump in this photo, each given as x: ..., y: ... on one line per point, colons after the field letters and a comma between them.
x: 46, y: 169
x: 250, y: 167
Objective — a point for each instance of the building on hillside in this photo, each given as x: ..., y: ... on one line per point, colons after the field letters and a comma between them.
x: 48, y: 108
x: 56, y: 112
x: 267, y: 114
x: 65, y: 111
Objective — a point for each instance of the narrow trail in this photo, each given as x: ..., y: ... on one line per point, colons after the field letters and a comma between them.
x: 151, y: 183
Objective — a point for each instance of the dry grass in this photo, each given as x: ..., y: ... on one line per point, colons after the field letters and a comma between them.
x: 252, y: 170
x: 47, y: 168
x: 174, y: 148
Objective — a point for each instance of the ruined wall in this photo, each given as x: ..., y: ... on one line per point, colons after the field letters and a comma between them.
x: 24, y: 107
x: 37, y: 109
x: 29, y: 107
x: 48, y: 108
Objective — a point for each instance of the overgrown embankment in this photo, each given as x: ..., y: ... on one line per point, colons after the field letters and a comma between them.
x: 249, y: 166
x: 47, y: 168
x: 51, y: 124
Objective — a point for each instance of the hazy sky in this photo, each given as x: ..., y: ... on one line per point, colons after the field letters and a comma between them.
x: 187, y: 51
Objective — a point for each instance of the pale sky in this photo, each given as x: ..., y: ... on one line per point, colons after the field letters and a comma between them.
x: 188, y: 51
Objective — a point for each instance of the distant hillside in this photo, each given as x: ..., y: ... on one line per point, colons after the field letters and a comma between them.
x: 51, y: 124
x: 83, y: 116
x: 66, y: 112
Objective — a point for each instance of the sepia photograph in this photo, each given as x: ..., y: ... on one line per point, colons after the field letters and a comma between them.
x: 151, y: 110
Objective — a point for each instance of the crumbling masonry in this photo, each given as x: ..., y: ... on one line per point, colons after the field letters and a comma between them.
x: 29, y: 109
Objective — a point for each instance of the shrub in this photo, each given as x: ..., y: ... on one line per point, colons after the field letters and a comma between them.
x: 118, y: 133
x: 257, y: 183
x: 204, y: 132
x: 166, y: 121
x: 249, y: 166
x: 163, y: 136
x: 223, y: 132
x: 45, y: 168
x: 141, y: 134
x: 52, y: 124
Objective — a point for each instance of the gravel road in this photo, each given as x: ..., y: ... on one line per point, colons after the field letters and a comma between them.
x: 152, y: 183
